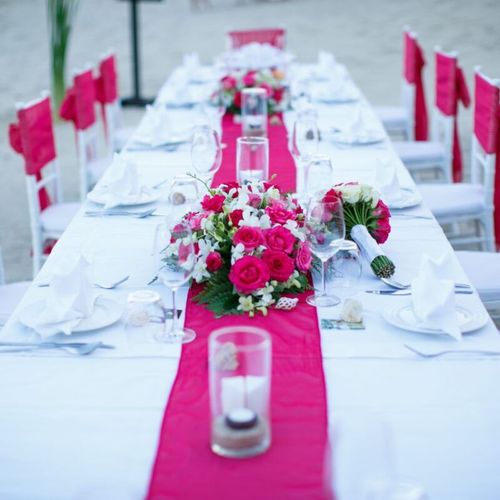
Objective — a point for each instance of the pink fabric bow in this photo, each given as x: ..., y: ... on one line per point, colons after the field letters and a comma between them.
x: 414, y: 62
x: 78, y: 103
x: 451, y: 88
x: 33, y: 138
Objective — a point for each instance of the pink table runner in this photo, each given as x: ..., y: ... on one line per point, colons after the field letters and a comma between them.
x: 296, y: 466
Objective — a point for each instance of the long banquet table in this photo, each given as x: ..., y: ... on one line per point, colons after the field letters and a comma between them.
x: 88, y: 427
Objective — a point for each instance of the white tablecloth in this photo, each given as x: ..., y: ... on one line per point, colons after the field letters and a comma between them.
x: 88, y: 427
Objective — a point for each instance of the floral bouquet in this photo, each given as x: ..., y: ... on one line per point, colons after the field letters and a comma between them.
x: 232, y: 85
x: 250, y: 248
x: 367, y: 222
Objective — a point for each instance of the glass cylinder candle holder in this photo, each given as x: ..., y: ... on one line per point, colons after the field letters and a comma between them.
x: 254, y: 112
x: 240, y: 384
x: 252, y: 159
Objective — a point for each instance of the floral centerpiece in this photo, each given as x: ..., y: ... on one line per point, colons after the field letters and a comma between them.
x: 367, y: 222
x: 232, y: 84
x: 250, y: 248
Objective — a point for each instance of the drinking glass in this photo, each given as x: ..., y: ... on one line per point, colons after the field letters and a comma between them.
x: 252, y: 159
x: 206, y: 152
x: 254, y: 112
x: 318, y: 173
x: 239, y: 359
x: 344, y: 270
x: 214, y: 111
x: 325, y: 231
x: 175, y: 258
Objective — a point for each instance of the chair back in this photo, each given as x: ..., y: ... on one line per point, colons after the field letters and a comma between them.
x: 106, y: 85
x: 486, y: 139
x: 33, y: 137
x: 272, y: 36
x: 413, y: 88
x: 79, y: 107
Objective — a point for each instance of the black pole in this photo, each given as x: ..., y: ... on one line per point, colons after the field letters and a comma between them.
x: 135, y: 99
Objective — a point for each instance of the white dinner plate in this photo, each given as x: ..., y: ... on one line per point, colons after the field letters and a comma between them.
x: 106, y: 312
x: 407, y: 199
x: 102, y: 197
x: 404, y: 318
x: 369, y: 137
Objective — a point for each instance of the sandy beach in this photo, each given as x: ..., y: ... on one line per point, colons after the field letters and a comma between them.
x: 365, y: 35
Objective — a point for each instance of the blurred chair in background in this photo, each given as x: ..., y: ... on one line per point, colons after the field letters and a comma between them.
x: 475, y: 201
x: 409, y: 119
x: 33, y: 137
x: 272, y: 36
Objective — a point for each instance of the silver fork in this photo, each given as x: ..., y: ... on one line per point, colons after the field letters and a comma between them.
x: 118, y: 213
x: 104, y: 286
x: 436, y: 354
x: 401, y: 286
x: 77, y: 348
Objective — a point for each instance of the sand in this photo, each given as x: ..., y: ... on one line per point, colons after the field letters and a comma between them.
x: 364, y: 34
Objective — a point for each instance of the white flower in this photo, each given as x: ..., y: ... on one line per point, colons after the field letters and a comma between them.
x: 200, y: 270
x: 207, y: 224
x: 293, y: 227
x: 246, y: 303
x: 251, y: 218
x: 237, y: 252
x: 351, y: 193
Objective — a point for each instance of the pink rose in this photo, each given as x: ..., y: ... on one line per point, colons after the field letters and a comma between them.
x: 249, y: 237
x: 213, y: 203
x: 249, y: 274
x: 267, y: 88
x: 194, y: 220
x: 227, y: 186
x: 280, y: 265
x: 249, y: 79
x: 303, y: 258
x: 229, y: 82
x: 214, y: 261
x: 184, y: 252
x: 381, y: 232
x: 278, y: 94
x: 235, y: 216
x: 382, y: 210
x: 254, y: 200
x: 278, y: 213
x: 279, y: 238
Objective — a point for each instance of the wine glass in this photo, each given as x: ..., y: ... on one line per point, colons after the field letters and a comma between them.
x: 305, y: 142
x: 175, y: 259
x: 214, y: 111
x: 325, y: 231
x: 206, y: 152
x: 318, y: 173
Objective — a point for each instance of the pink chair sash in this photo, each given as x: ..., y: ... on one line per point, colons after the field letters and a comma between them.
x: 487, y: 132
x: 414, y: 63
x: 33, y: 138
x: 106, y: 83
x: 78, y: 104
x: 451, y: 88
x: 272, y: 36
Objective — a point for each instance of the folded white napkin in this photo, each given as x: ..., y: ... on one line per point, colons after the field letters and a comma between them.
x: 121, y: 184
x: 433, y: 300
x: 386, y: 181
x: 256, y: 56
x: 70, y: 298
x: 326, y: 61
x: 191, y: 61
x: 158, y: 128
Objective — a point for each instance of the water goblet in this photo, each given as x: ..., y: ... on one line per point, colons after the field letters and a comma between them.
x: 206, y: 152
x: 175, y: 259
x: 325, y: 231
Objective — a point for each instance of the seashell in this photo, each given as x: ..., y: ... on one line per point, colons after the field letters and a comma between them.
x: 226, y: 357
x: 286, y: 303
x: 352, y: 312
x: 177, y: 198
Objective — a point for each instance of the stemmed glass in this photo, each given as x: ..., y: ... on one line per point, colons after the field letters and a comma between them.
x: 305, y: 142
x: 325, y: 233
x: 206, y: 152
x: 175, y: 259
x: 318, y: 173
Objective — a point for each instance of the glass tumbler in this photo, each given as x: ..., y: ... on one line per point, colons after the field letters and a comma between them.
x: 240, y: 381
x: 254, y: 112
x: 252, y: 159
